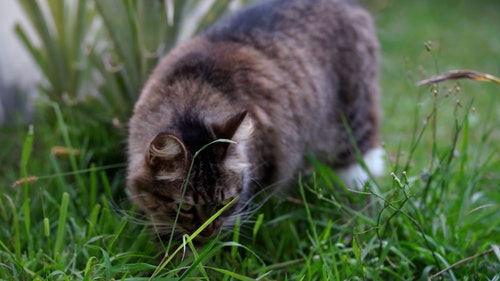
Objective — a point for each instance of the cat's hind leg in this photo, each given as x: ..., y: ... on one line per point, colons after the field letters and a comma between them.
x: 355, y: 176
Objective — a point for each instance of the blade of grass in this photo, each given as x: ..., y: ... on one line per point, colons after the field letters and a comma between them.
x: 57, y: 72
x: 257, y: 225
x: 67, y: 141
x: 151, y: 27
x: 58, y: 12
x: 77, y: 29
x: 61, y: 225
x: 15, y: 226
x: 93, y: 185
x: 236, y: 236
x: 191, y: 16
x: 197, y: 257
x: 25, y: 158
x: 230, y: 273
x: 106, y: 184
x: 151, y: 31
x: 208, y: 250
x: 315, y: 238
x: 94, y: 215
x: 196, y: 15
x: 115, y: 98
x: 46, y: 227
x: 173, y: 9
x: 35, y: 53
x: 119, y: 229
x: 90, y: 269
x: 107, y: 264
x: 119, y: 23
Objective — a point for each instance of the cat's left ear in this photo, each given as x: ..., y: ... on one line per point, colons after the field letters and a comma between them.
x: 168, y: 156
x: 227, y: 129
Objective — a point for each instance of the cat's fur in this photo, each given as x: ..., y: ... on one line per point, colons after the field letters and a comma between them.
x: 279, y: 79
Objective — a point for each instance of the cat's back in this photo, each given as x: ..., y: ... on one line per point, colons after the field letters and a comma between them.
x: 306, y: 23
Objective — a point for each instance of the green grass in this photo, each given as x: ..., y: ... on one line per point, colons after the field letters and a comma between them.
x: 439, y: 210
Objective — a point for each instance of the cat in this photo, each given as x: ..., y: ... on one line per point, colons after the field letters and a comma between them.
x: 281, y: 79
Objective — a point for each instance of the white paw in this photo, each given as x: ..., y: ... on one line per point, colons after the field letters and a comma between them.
x: 355, y: 176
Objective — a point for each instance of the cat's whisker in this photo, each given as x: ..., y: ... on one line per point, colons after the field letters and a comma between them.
x: 246, y: 212
x: 135, y: 217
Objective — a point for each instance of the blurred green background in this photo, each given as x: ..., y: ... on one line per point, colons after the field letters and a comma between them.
x: 94, y: 56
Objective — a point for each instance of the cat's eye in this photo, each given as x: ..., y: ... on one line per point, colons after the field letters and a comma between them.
x: 185, y: 207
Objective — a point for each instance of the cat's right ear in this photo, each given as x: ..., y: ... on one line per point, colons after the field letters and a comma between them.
x: 167, y: 156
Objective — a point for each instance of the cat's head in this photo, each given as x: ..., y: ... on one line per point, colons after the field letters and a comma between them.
x: 191, y: 174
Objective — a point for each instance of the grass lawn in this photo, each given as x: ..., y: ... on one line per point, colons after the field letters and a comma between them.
x: 435, y: 215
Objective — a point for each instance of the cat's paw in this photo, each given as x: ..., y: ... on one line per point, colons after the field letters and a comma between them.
x: 355, y: 176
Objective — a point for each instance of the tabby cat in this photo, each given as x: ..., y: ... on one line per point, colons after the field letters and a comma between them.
x: 281, y: 79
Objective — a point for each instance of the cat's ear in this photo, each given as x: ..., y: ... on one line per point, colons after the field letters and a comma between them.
x: 168, y: 156
x: 227, y: 129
